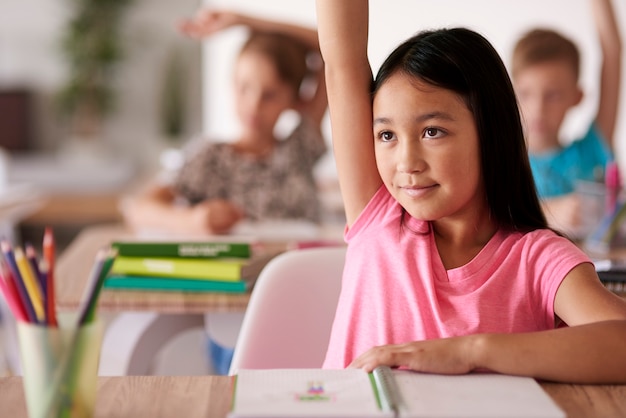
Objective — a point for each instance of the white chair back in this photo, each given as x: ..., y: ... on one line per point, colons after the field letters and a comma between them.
x: 291, y: 310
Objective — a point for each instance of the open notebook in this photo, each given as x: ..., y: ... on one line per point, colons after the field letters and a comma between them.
x: 386, y: 393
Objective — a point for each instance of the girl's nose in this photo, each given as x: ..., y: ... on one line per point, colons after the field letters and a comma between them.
x: 409, y: 157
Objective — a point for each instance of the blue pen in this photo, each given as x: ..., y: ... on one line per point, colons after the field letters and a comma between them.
x: 19, y: 282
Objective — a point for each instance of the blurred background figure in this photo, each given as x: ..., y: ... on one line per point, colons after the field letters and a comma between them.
x: 545, y: 72
x: 257, y: 176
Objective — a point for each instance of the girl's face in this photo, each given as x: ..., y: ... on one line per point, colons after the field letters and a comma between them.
x: 427, y: 149
x: 260, y: 94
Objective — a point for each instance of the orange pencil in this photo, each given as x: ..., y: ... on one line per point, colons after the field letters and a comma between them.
x: 49, y: 249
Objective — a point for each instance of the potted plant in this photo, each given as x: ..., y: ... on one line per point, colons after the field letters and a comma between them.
x: 93, y: 48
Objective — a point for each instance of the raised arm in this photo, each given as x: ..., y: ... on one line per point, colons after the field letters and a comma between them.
x: 207, y: 22
x: 610, y: 73
x: 343, y: 31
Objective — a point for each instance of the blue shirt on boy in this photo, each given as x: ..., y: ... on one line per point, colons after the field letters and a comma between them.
x: 556, y: 173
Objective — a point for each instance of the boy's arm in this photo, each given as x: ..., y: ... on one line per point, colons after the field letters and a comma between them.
x: 610, y: 73
x: 343, y: 31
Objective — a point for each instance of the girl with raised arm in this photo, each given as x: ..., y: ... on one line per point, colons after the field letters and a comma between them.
x: 451, y: 266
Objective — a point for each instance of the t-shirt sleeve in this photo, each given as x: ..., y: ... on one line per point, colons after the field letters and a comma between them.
x: 553, y: 257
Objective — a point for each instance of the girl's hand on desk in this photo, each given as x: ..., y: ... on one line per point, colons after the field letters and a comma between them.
x: 442, y: 356
x: 215, y: 216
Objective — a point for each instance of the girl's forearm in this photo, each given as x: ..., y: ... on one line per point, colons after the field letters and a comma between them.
x: 343, y: 30
x: 587, y: 354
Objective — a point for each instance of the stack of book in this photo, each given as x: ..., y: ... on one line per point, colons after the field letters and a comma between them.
x: 185, y: 266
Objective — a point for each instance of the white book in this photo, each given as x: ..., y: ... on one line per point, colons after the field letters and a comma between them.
x: 386, y: 393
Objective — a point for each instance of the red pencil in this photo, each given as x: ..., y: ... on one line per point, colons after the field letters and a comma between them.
x: 7, y: 288
x: 49, y: 255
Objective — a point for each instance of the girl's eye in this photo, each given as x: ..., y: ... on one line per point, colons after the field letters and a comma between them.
x: 433, y: 133
x: 386, y: 136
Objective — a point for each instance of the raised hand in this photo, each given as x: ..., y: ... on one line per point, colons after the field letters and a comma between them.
x: 207, y: 22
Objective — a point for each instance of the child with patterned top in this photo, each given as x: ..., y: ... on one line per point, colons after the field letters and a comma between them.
x: 545, y: 72
x: 450, y: 266
x: 257, y: 176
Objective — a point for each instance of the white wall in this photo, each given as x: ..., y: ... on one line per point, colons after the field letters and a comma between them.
x: 391, y: 21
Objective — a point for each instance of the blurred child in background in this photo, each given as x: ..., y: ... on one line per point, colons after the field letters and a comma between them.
x: 545, y: 73
x: 257, y: 176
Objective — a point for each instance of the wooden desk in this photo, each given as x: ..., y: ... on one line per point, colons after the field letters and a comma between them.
x: 72, y: 209
x: 133, y: 340
x: 210, y: 396
x: 74, y: 265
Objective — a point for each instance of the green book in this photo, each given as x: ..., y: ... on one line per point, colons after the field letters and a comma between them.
x: 199, y: 249
x: 172, y: 284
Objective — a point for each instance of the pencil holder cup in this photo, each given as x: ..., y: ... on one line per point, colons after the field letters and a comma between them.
x: 60, y: 369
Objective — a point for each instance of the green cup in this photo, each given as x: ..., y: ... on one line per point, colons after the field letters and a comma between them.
x: 60, y: 369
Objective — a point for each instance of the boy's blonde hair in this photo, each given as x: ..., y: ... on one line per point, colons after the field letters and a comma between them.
x: 544, y: 45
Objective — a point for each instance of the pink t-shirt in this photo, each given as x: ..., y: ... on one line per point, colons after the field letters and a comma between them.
x: 395, y: 288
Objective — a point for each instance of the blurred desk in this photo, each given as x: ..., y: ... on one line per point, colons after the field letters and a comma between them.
x: 211, y: 396
x: 617, y: 282
x: 132, y: 341
x: 73, y: 209
x: 80, y: 186
x: 75, y: 263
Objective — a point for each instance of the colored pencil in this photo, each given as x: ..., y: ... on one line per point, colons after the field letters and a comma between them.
x: 31, y: 256
x: 13, y: 300
x: 90, y: 287
x: 32, y: 284
x: 49, y: 249
x: 9, y: 257
x: 102, y: 266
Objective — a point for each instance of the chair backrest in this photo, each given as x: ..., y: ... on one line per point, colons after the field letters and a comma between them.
x: 291, y: 310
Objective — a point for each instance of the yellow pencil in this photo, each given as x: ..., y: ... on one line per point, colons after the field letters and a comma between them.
x: 32, y: 286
